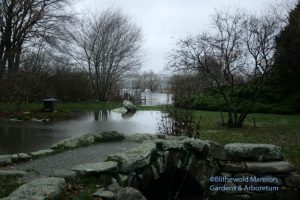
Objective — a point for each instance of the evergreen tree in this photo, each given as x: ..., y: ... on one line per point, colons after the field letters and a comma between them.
x: 284, y: 83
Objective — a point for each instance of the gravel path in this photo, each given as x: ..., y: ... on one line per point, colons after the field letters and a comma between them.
x: 66, y: 160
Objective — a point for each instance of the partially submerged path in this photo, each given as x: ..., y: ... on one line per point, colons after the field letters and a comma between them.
x: 48, y: 166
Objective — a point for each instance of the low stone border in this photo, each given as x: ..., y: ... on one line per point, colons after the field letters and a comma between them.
x: 209, y: 163
x: 63, y: 145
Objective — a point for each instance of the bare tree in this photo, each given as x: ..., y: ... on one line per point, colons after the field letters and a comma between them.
x: 108, y: 45
x: 23, y: 22
x: 148, y: 80
x: 236, y: 59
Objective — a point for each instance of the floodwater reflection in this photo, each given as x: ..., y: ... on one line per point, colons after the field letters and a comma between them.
x: 16, y: 137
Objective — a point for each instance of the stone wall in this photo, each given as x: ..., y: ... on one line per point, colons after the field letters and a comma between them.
x: 235, y: 171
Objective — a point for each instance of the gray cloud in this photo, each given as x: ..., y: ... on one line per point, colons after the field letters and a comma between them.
x: 165, y: 21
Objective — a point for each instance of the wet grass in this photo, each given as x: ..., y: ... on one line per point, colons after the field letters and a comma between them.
x: 83, y: 189
x: 281, y: 130
x: 8, y: 184
x: 63, y: 110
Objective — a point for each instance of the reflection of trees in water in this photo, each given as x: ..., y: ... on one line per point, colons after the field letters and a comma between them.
x: 176, y: 121
x: 128, y: 115
x: 101, y: 115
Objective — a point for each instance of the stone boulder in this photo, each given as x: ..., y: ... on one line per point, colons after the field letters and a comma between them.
x: 99, y: 167
x: 40, y: 189
x: 87, y: 139
x: 105, y: 195
x: 129, y: 106
x: 67, y: 174
x: 42, y: 152
x: 253, y: 152
x: 12, y: 173
x: 5, y: 160
x: 135, y: 158
x: 130, y: 193
x: 280, y: 167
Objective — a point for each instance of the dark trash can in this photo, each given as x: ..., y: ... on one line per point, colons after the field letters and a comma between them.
x: 49, y: 104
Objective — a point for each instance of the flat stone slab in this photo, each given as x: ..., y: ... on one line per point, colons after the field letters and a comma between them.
x: 20, y: 157
x: 5, y: 159
x: 42, y: 152
x: 253, y: 152
x: 166, y: 145
x: 135, y: 158
x: 233, y: 167
x: 40, y: 189
x: 99, y: 167
x: 137, y: 137
x: 67, y: 174
x: 130, y: 193
x: 104, y: 194
x: 12, y: 173
x: 87, y: 139
x: 199, y: 146
x: 269, y: 167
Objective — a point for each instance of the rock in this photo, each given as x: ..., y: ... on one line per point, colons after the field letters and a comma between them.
x: 40, y: 189
x: 12, y: 173
x: 104, y: 194
x: 115, y: 187
x: 253, y: 152
x: 16, y: 120
x: 42, y: 152
x: 226, y: 174
x: 121, y: 110
x: 135, y: 158
x: 137, y: 137
x: 99, y: 167
x: 217, y: 150
x: 233, y: 167
x: 108, y: 136
x: 20, y: 157
x: 130, y: 193
x: 36, y: 120
x: 67, y: 174
x: 199, y: 146
x: 273, y: 180
x: 72, y: 142
x: 87, y: 139
x: 293, y: 180
x: 5, y: 159
x: 269, y: 167
x: 129, y: 106
x: 166, y: 145
x: 122, y: 179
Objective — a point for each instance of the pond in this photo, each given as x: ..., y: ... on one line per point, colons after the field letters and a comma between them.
x: 16, y: 137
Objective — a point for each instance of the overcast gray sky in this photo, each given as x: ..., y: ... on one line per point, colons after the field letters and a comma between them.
x: 165, y: 21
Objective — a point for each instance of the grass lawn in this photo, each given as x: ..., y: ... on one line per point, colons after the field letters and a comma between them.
x: 281, y: 130
x: 64, y: 110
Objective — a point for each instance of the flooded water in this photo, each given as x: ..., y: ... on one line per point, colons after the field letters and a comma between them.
x: 16, y: 137
x: 155, y: 98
